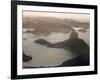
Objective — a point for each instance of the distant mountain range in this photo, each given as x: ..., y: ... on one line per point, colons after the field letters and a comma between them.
x: 52, y: 24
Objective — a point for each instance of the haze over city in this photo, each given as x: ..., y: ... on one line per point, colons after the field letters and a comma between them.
x: 76, y: 16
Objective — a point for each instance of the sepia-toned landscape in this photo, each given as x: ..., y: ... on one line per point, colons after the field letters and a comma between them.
x: 54, y: 39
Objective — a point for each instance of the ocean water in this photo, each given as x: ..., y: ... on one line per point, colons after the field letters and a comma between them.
x: 43, y: 56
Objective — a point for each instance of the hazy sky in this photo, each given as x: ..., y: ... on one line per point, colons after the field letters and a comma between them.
x: 76, y: 16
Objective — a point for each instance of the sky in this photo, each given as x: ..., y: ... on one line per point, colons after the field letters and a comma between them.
x: 76, y: 16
